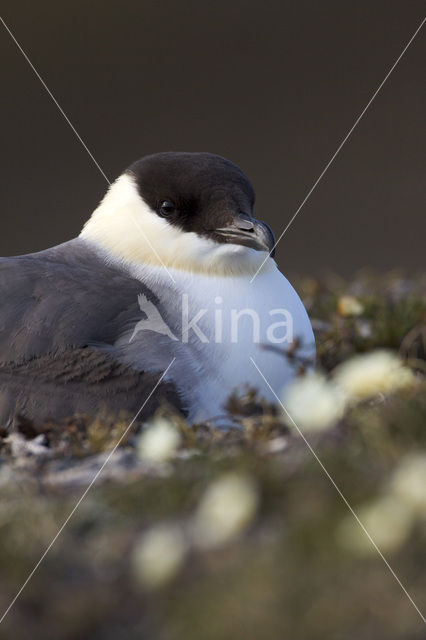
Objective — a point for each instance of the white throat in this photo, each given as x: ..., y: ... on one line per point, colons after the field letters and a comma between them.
x: 126, y: 227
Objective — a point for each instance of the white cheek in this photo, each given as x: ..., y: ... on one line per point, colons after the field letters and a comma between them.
x: 129, y: 229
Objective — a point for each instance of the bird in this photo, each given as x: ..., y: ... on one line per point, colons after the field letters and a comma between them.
x: 169, y: 294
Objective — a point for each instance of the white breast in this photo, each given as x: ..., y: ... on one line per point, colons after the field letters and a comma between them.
x: 226, y: 323
x: 203, y: 279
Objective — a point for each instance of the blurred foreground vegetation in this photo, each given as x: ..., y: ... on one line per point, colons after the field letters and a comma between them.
x: 233, y: 534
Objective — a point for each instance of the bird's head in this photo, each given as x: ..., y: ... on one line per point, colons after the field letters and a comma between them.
x: 187, y: 211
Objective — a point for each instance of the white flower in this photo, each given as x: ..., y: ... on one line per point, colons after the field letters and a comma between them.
x: 226, y: 509
x: 367, y: 375
x: 363, y: 328
x: 313, y: 403
x: 388, y: 522
x: 276, y: 445
x: 159, y: 441
x: 159, y: 555
x: 409, y: 482
x: 349, y: 306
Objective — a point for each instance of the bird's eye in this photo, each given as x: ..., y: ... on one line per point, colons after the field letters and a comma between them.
x: 166, y: 208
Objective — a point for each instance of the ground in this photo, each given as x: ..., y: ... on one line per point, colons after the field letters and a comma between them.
x: 246, y: 533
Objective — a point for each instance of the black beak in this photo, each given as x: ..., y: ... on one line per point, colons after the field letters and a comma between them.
x: 249, y: 232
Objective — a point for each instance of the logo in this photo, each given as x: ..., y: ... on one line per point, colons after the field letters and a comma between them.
x: 153, y: 320
x: 219, y: 325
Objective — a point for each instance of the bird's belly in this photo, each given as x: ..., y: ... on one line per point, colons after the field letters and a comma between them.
x: 240, y: 338
x: 238, y: 372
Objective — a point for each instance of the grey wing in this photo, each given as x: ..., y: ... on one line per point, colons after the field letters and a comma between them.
x: 79, y: 381
x: 63, y: 296
x: 61, y: 312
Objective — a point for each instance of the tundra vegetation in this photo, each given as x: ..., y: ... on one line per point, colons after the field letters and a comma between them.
x: 238, y: 533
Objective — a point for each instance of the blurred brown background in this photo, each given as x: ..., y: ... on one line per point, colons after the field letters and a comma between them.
x: 273, y: 85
